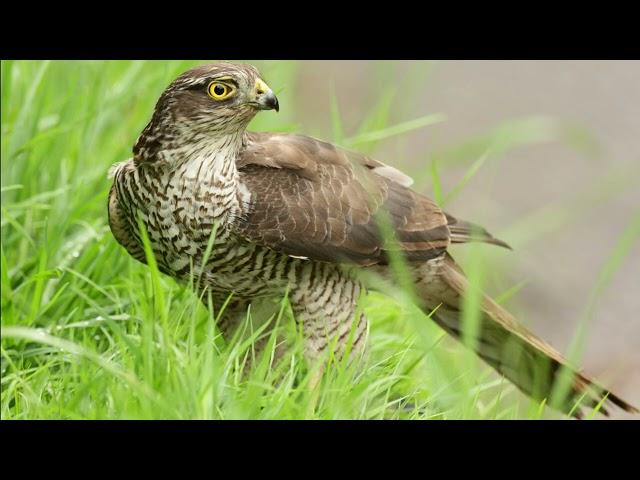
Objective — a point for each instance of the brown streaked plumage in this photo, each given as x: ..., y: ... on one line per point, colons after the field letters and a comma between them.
x: 320, y: 202
x: 295, y: 214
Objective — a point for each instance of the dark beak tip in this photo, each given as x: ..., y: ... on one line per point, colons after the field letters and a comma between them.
x: 268, y: 102
x: 272, y: 102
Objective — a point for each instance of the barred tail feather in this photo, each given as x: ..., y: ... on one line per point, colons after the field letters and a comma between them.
x: 524, y: 359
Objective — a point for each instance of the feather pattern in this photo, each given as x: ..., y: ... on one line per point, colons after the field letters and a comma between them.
x: 526, y: 360
x: 289, y: 213
x: 312, y: 199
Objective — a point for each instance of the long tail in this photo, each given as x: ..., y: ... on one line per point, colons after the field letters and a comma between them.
x: 526, y: 360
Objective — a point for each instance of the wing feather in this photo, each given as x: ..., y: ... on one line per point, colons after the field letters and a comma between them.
x: 312, y: 199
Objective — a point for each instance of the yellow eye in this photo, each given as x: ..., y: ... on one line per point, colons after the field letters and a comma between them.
x: 220, y: 91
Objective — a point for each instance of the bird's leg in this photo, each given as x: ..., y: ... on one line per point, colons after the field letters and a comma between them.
x: 243, y: 317
x: 235, y: 312
x: 324, y: 303
x: 262, y: 315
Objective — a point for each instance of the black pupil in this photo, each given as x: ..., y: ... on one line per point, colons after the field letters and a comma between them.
x: 219, y: 90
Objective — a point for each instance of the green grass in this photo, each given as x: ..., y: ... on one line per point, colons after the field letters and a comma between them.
x: 89, y: 333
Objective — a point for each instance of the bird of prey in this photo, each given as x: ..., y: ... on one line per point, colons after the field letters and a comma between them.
x: 295, y: 214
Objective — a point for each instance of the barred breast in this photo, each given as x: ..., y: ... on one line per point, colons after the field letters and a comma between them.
x: 181, y: 218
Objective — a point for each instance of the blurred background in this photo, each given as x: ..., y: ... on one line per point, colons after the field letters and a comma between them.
x: 561, y: 181
x: 544, y: 154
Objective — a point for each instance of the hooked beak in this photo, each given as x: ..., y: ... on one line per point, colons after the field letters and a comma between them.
x: 265, y: 99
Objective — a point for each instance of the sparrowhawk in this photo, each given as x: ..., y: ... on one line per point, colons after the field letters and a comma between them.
x: 299, y: 215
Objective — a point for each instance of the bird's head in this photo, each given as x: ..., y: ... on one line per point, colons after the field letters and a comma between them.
x: 217, y: 98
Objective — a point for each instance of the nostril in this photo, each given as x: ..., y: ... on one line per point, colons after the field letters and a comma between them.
x: 260, y: 91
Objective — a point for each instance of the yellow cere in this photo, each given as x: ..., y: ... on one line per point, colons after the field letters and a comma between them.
x: 261, y: 87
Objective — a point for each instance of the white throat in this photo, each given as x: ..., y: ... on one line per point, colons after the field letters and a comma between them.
x: 205, y: 170
x: 210, y: 160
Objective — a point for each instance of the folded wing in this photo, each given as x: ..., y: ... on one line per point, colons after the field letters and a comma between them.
x: 311, y: 199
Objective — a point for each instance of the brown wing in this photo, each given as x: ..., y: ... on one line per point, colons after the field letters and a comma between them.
x: 311, y: 199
